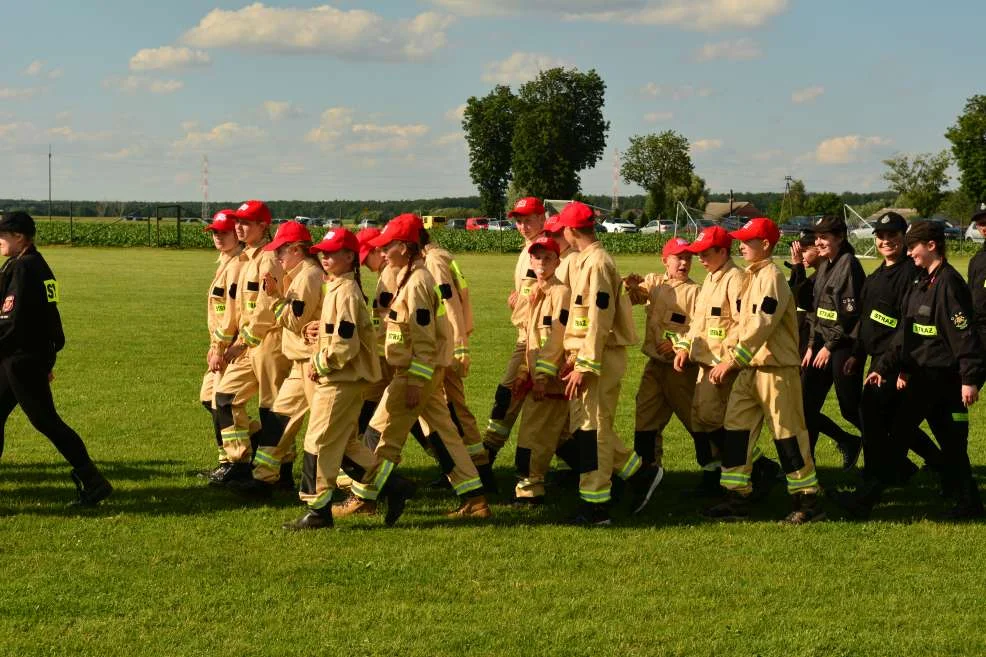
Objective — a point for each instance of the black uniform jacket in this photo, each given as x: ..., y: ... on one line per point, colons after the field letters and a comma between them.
x: 881, y: 306
x: 977, y: 285
x: 836, y: 305
x: 29, y: 319
x: 802, y: 285
x: 936, y: 330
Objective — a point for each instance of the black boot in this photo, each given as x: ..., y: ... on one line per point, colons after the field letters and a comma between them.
x: 732, y: 507
x: 590, y: 515
x: 859, y: 504
x: 642, y: 486
x: 488, y: 479
x: 807, y: 508
x: 708, y: 487
x: 286, y: 480
x: 313, y: 519
x: 969, y: 505
x: 850, y: 447
x: 397, y: 491
x: 92, y: 486
x: 241, y: 471
x: 492, y: 452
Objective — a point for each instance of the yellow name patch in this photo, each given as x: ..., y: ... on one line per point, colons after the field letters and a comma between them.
x: 251, y: 305
x: 927, y: 331
x: 51, y: 290
x: 395, y: 336
x: 830, y: 315
x: 220, y: 308
x: 581, y: 322
x: 717, y: 333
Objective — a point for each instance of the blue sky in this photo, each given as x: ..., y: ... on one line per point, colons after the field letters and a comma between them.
x: 360, y: 99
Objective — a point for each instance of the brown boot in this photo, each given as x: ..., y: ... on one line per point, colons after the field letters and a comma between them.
x: 472, y: 507
x: 354, y: 506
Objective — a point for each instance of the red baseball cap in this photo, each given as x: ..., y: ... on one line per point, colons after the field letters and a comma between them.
x: 544, y: 242
x: 713, y: 237
x: 222, y: 222
x: 412, y: 219
x: 336, y: 240
x: 760, y: 228
x: 527, y: 206
x: 674, y: 246
x: 288, y: 232
x: 253, y: 211
x: 364, y: 237
x: 577, y: 215
x: 552, y: 224
x: 402, y: 228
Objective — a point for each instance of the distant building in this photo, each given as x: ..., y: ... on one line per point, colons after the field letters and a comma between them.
x: 718, y: 211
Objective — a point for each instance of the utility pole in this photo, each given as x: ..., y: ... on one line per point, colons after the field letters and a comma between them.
x: 787, y: 190
x: 730, y: 202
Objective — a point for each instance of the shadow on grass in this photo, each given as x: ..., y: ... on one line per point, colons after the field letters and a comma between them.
x: 164, y: 487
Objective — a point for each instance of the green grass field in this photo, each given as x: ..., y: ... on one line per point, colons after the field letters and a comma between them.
x: 169, y: 567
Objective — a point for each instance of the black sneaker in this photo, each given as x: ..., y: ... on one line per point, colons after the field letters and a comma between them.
x: 313, y: 519
x: 850, y: 449
x: 732, y: 507
x: 590, y: 515
x: 398, y: 491
x: 91, y: 485
x: 230, y: 472
x: 807, y: 508
x: 642, y: 486
x: 853, y: 503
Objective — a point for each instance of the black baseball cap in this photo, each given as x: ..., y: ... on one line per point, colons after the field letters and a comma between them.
x: 830, y: 223
x: 979, y: 216
x: 890, y: 222
x: 17, y: 222
x: 925, y: 231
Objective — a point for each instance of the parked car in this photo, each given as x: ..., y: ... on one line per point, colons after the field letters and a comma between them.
x: 134, y: 216
x: 972, y: 234
x: 477, y: 223
x: 795, y: 225
x: 951, y: 230
x: 456, y: 224
x: 367, y: 223
x: 658, y: 226
x: 501, y: 225
x: 332, y: 223
x: 619, y: 226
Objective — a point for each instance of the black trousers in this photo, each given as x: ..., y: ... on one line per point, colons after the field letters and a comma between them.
x: 816, y: 384
x: 24, y: 381
x: 880, y: 405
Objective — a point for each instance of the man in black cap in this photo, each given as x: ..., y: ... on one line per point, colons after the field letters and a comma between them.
x: 30, y: 336
x: 977, y: 279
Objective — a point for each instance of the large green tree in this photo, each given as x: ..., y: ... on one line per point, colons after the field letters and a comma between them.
x: 824, y: 203
x: 919, y: 182
x: 968, y: 137
x: 657, y: 163
x: 560, y: 131
x: 694, y: 194
x: 794, y: 201
x: 489, y: 126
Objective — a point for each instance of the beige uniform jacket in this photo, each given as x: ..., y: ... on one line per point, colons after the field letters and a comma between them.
x: 548, y: 315
x: 301, y: 304
x: 221, y: 311
x: 256, y: 308
x: 346, y: 349
x: 670, y: 306
x: 418, y: 337
x: 564, y: 271
x: 601, y: 314
x: 713, y: 331
x: 524, y: 280
x: 767, y: 335
x: 443, y: 269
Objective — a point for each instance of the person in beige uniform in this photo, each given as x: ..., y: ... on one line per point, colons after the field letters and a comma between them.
x: 343, y: 364
x: 256, y: 364
x: 600, y: 328
x: 300, y: 305
x: 768, y: 386
x: 528, y: 213
x: 554, y: 230
x: 221, y: 313
x: 544, y: 415
x: 418, y: 346
x: 663, y: 391
x: 712, y: 334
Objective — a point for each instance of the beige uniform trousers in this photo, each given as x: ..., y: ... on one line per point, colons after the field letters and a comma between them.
x: 543, y: 427
x: 293, y: 400
x: 332, y: 437
x: 663, y: 392
x: 462, y: 417
x: 393, y: 420
x: 770, y: 395
x: 207, y: 395
x: 709, y: 403
x: 506, y: 408
x: 259, y: 370
x: 602, y: 453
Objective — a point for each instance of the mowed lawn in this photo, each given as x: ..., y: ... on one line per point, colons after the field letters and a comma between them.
x: 168, y: 566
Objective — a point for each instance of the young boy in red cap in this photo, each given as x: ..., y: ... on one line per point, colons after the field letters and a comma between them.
x: 529, y: 216
x: 600, y: 328
x: 767, y: 387
x: 544, y: 415
x: 663, y: 391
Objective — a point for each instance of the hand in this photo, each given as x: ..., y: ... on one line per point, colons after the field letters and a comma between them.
x: 512, y: 299
x: 538, y: 390
x: 313, y: 375
x: 574, y: 384
x: 270, y: 284
x: 665, y: 348
x: 901, y: 381
x: 849, y: 366
x: 970, y: 395
x: 310, y: 332
x: 797, y: 258
x: 806, y: 361
x: 717, y: 375
x: 632, y: 281
x: 216, y: 362
x: 680, y: 360
x: 464, y: 362
x: 51, y: 376
x: 874, y: 379
x: 412, y: 396
x: 234, y: 351
x: 566, y: 368
x: 517, y: 387
x: 822, y: 359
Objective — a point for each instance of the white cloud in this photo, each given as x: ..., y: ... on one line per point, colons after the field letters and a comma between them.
x: 168, y: 58
x: 189, y: 126
x: 766, y: 156
x: 353, y: 34
x: 277, y: 110
x: 56, y: 73
x: 651, y: 89
x: 704, y: 145
x: 124, y: 153
x: 338, y: 128
x: 654, y: 117
x: 655, y: 90
x: 807, y: 94
x: 456, y: 113
x: 34, y: 68
x: 334, y: 123
x: 137, y: 83
x: 520, y: 67
x: 690, y: 14
x: 737, y: 50
x: 402, y: 131
x: 291, y: 168
x: 22, y: 93
x: 70, y: 135
x: 450, y: 138
x: 843, y: 150
x: 224, y: 134
x: 9, y: 131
